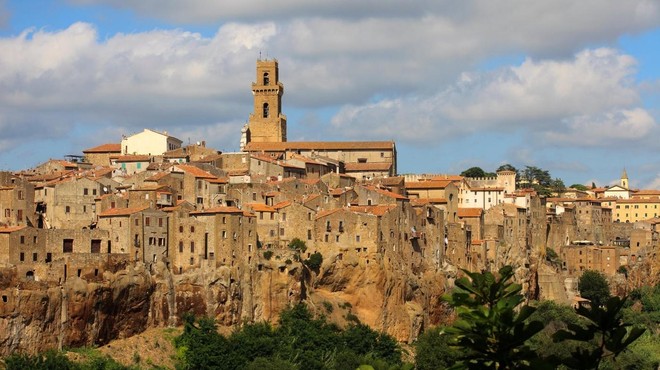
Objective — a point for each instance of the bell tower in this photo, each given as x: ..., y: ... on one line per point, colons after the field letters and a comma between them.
x: 267, y: 123
x: 624, y: 179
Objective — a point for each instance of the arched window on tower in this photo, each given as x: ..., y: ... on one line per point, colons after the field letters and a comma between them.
x: 265, y: 110
x: 266, y: 78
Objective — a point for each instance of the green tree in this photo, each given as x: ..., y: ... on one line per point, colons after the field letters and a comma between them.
x: 594, y: 286
x: 506, y: 167
x: 314, y: 261
x: 474, y: 172
x: 492, y: 323
x: 579, y: 187
x: 433, y: 350
x: 606, y: 333
x: 298, y: 245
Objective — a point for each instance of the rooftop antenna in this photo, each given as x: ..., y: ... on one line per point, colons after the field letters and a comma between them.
x: 259, y: 54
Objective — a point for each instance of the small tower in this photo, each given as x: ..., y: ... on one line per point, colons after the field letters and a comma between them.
x: 267, y: 123
x: 624, y: 179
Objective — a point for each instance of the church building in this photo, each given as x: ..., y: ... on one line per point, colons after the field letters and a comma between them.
x: 265, y: 133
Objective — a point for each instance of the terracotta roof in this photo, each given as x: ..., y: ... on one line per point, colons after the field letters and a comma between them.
x: 629, y: 201
x: 432, y: 184
x: 219, y: 180
x: 368, y: 166
x: 310, y: 181
x: 647, y: 192
x: 327, y: 212
x: 104, y: 148
x: 282, y: 204
x: 195, y: 171
x: 157, y: 176
x: 238, y: 172
x: 423, y: 201
x: 307, y: 160
x: 312, y: 197
x: 11, y: 229
x: 378, y: 210
x: 320, y: 145
x: 217, y: 210
x: 469, y: 212
x: 260, y: 207
x: 209, y: 158
x: 386, y: 193
x: 122, y: 211
x: 486, y: 189
x: 64, y: 163
x: 447, y: 177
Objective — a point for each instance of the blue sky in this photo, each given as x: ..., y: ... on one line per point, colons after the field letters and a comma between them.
x: 571, y: 87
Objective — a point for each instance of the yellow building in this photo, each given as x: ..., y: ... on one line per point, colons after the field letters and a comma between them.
x: 633, y: 210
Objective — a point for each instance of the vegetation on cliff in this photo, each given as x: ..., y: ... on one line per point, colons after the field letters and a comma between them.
x: 300, y: 341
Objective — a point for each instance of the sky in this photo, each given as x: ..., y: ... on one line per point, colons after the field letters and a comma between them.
x: 572, y: 87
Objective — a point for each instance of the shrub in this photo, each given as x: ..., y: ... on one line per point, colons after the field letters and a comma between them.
x: 315, y: 261
x: 268, y: 254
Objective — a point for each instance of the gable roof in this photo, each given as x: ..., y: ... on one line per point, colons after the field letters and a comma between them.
x: 469, y: 212
x: 122, y: 211
x: 104, y: 148
x: 216, y: 210
x: 195, y: 171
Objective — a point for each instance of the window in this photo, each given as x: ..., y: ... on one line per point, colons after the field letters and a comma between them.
x: 192, y: 247
x: 192, y: 229
x: 284, y: 216
x: 254, y: 196
x: 224, y: 234
x: 67, y: 245
x: 357, y: 238
x: 281, y: 231
x: 22, y: 257
x: 35, y: 256
x: 180, y: 247
x: 224, y: 219
x: 266, y: 78
x: 93, y: 191
x: 265, y: 110
x: 67, y: 209
x: 85, y: 191
x: 261, y: 215
x: 20, y: 195
x: 309, y: 234
x: 272, y: 216
x: 160, y: 222
x: 22, y: 239
x: 96, y: 246
x: 7, y: 212
x: 180, y: 229
x: 136, y: 222
x: 146, y: 221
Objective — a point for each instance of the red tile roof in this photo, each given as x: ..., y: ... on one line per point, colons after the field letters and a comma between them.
x: 432, y: 184
x: 132, y: 158
x: 122, y: 211
x: 319, y: 145
x: 260, y: 207
x: 469, y: 212
x: 11, y: 229
x: 195, y: 171
x: 104, y: 148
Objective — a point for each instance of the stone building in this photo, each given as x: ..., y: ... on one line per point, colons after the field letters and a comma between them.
x: 437, y: 190
x: 17, y: 206
x: 266, y: 133
x: 101, y: 155
x: 230, y: 236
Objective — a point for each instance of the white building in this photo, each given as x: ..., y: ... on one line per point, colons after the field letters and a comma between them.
x: 149, y: 142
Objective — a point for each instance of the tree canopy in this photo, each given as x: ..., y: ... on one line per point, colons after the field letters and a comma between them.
x: 594, y: 286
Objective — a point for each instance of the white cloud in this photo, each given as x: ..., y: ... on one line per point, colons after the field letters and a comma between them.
x: 588, y: 100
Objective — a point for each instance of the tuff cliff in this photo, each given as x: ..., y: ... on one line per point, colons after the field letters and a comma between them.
x: 35, y: 316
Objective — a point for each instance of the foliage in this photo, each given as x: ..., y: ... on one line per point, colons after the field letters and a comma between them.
x: 300, y: 341
x: 298, y: 245
x: 57, y: 360
x: 579, y: 187
x: 476, y: 172
x: 552, y: 257
x: 314, y: 261
x: 606, y: 332
x: 490, y: 329
x: 268, y: 255
x: 594, y: 287
x: 328, y: 307
x: 433, y: 350
x: 506, y: 167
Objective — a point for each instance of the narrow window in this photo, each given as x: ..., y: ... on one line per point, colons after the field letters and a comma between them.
x: 266, y: 78
x: 266, y: 110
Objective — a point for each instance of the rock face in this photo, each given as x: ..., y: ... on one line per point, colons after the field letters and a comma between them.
x: 386, y: 293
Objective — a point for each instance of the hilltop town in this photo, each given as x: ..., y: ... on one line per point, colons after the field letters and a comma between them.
x: 138, y: 231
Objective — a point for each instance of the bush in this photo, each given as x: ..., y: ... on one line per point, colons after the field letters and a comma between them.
x: 328, y: 307
x: 314, y: 261
x: 298, y: 245
x: 594, y: 286
x: 268, y: 254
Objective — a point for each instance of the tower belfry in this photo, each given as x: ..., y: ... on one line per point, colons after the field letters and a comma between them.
x: 624, y: 179
x: 266, y: 122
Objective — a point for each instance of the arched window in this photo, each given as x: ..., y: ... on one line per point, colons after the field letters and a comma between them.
x: 266, y: 78
x: 265, y: 110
